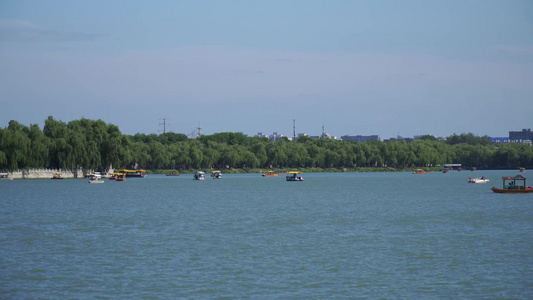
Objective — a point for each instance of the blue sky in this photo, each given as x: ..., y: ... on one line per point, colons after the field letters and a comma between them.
x: 356, y: 67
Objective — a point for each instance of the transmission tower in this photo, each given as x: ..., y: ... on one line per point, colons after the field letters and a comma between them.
x: 164, y: 125
x: 199, y: 130
x: 293, y: 129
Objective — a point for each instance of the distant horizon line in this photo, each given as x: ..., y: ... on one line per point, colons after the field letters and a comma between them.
x: 300, y: 134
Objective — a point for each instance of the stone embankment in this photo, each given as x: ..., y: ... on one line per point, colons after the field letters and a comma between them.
x: 47, y: 173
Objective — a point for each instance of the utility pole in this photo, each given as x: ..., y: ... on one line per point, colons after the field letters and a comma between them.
x: 164, y: 125
x: 293, y: 129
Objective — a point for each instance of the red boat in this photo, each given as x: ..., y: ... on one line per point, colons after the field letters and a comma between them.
x: 513, y: 185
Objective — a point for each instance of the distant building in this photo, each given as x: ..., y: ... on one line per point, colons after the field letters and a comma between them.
x: 262, y: 135
x: 399, y: 138
x: 360, y: 138
x: 275, y: 137
x: 299, y: 136
x: 324, y: 136
x: 524, y: 136
x: 500, y: 140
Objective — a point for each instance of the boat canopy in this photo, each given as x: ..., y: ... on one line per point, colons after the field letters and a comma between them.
x: 132, y: 171
x: 518, y: 178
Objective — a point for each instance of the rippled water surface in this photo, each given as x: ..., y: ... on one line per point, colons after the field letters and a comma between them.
x: 353, y: 235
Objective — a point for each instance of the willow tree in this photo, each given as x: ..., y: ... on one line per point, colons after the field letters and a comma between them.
x: 15, y: 147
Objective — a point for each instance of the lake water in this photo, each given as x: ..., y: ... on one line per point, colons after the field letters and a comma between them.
x: 350, y: 235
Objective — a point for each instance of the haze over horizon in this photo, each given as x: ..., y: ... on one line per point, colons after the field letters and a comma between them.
x: 356, y: 67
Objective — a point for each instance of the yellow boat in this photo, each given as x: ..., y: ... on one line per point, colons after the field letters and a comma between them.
x: 120, y: 176
x: 133, y: 173
x: 419, y: 171
x: 57, y: 175
x: 270, y: 174
x: 295, y: 176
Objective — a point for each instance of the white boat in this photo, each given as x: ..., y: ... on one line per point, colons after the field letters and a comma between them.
x: 216, y: 174
x: 97, y: 174
x: 104, y: 174
x: 199, y: 176
x: 96, y: 178
x: 5, y: 176
x: 478, y: 180
x: 295, y: 176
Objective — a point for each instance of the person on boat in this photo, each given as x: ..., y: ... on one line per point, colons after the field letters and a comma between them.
x: 510, y: 185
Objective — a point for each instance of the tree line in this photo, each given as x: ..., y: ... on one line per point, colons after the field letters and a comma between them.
x: 96, y: 144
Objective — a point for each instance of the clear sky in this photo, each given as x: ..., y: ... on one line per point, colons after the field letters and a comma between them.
x: 356, y: 67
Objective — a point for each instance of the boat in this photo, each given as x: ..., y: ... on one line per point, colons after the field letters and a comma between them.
x: 119, y: 176
x: 199, y: 176
x: 474, y: 169
x: 57, y: 175
x: 5, y: 176
x: 522, y: 169
x: 419, y: 171
x: 216, y: 174
x: 93, y: 174
x: 295, y: 176
x: 445, y: 171
x: 133, y: 173
x: 96, y: 178
x: 173, y: 173
x: 513, y: 185
x: 270, y: 174
x: 478, y: 180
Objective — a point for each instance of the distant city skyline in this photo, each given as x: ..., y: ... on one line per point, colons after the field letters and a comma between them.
x: 357, y: 67
x: 194, y: 133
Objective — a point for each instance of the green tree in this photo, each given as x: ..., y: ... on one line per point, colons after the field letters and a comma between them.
x: 40, y: 156
x: 15, y: 146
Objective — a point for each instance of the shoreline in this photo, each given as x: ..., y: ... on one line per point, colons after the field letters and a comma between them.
x: 81, y: 174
